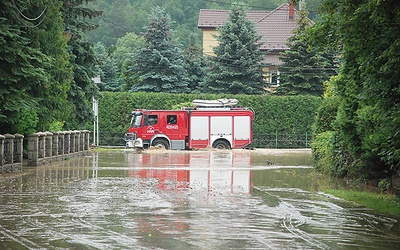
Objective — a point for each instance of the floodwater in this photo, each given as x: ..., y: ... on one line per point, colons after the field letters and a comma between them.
x: 156, y: 199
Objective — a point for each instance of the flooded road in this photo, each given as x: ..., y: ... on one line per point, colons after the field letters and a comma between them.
x: 261, y: 199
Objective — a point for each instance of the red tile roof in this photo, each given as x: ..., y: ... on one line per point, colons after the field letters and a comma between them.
x: 216, y: 18
x: 275, y: 26
x: 272, y: 59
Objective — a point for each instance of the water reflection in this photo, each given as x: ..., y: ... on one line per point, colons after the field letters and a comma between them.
x: 225, y: 171
x: 184, y: 200
x: 46, y: 178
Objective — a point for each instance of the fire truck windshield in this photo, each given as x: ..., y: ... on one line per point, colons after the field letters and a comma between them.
x: 136, y: 120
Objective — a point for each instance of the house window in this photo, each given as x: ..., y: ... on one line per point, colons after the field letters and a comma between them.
x: 274, y: 76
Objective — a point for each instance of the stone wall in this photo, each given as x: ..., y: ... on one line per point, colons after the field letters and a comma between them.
x: 43, y: 148
x: 46, y: 147
x: 11, y: 153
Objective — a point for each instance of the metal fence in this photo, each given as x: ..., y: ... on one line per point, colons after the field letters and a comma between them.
x: 277, y: 140
x: 110, y: 138
x: 281, y: 140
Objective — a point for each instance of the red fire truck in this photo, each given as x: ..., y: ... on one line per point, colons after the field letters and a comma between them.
x: 218, y: 124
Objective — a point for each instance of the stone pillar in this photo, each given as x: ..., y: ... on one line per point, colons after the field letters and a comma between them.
x: 42, y: 145
x: 49, y: 144
x: 82, y: 141
x: 9, y: 149
x: 67, y: 142
x: 2, y: 138
x: 72, y: 142
x: 77, y: 141
x: 19, y: 148
x: 33, y: 149
x: 61, y: 145
x: 86, y: 139
x: 55, y: 144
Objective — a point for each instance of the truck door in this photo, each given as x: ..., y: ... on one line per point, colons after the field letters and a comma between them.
x: 172, y: 126
x: 175, y: 129
x: 150, y: 127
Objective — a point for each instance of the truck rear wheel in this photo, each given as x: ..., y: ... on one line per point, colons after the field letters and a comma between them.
x: 221, y: 144
x: 160, y: 143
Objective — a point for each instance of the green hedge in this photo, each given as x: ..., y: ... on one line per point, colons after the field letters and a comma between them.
x: 273, y: 114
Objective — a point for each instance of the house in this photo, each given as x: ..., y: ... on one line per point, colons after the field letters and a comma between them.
x: 274, y: 26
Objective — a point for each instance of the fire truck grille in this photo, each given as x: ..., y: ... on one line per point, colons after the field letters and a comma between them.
x: 130, y: 136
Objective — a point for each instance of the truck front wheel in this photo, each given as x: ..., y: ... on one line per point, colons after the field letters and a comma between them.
x: 160, y: 143
x: 220, y: 144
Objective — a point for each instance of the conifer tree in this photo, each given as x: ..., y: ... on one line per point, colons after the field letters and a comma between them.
x: 82, y: 60
x: 159, y: 64
x: 304, y: 69
x: 195, y: 64
x: 34, y: 67
x: 237, y: 67
x: 107, y: 69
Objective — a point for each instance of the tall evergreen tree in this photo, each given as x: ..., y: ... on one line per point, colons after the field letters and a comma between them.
x: 82, y: 60
x: 34, y: 73
x: 107, y: 69
x: 305, y: 69
x: 159, y: 64
x: 237, y: 67
x: 195, y: 64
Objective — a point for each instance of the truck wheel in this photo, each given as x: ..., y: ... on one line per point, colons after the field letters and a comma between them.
x: 221, y: 145
x: 160, y: 143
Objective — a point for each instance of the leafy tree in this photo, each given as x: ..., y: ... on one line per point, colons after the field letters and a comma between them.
x: 159, y: 64
x: 106, y: 69
x: 237, y: 67
x: 122, y: 55
x: 305, y: 69
x: 367, y: 122
x: 125, y: 46
x: 117, y: 19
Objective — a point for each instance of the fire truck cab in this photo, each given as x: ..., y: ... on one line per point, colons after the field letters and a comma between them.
x: 209, y: 124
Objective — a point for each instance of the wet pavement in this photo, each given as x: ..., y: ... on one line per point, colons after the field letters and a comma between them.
x: 261, y: 199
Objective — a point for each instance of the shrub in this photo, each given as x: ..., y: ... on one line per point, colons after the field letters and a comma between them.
x: 323, y: 151
x: 327, y: 158
x: 27, y: 122
x: 326, y: 115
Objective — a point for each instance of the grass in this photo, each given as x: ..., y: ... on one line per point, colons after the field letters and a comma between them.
x: 383, y: 203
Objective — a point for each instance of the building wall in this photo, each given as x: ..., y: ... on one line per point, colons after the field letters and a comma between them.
x: 209, y: 41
